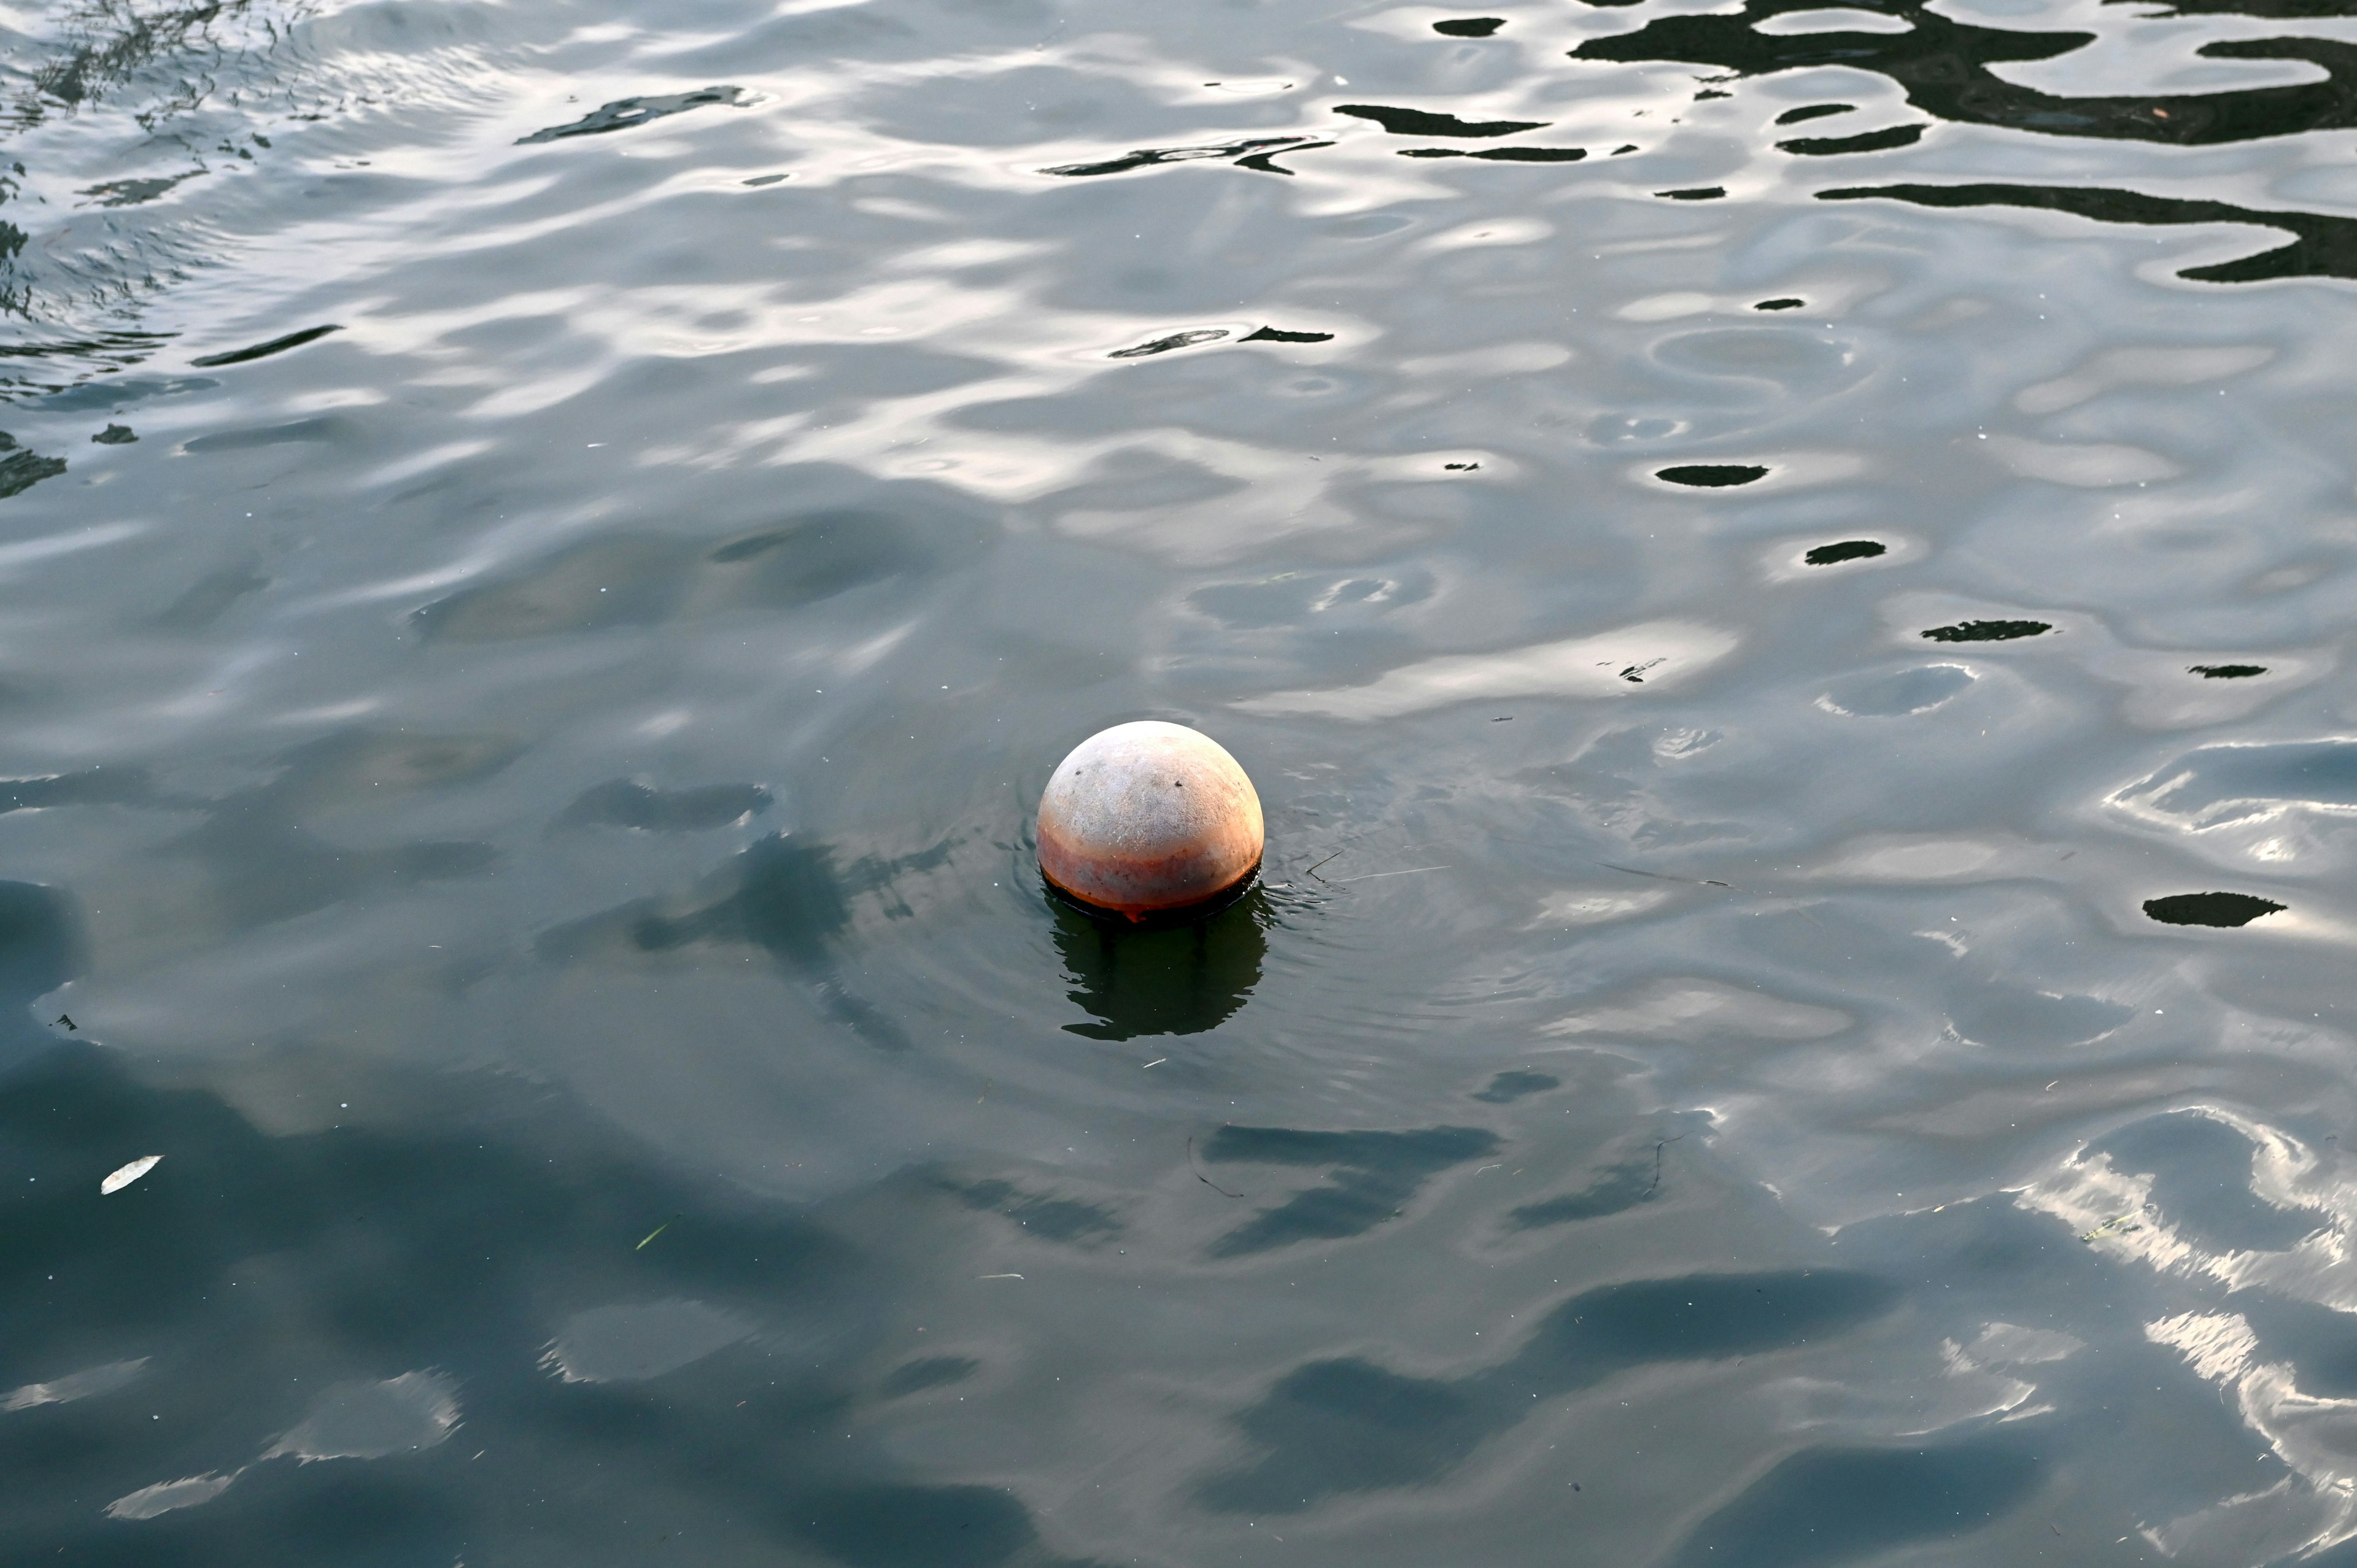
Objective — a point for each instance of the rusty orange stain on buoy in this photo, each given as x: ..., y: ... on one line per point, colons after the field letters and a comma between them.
x: 1148, y: 818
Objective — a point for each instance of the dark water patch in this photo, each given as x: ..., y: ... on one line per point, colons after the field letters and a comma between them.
x: 1812, y: 112
x: 1064, y: 1219
x: 1501, y: 154
x: 1897, y: 695
x: 1712, y: 476
x: 627, y: 803
x: 109, y: 394
x: 1508, y: 1086
x: 2226, y: 671
x: 447, y: 1251
x: 324, y: 429
x: 1694, y: 193
x: 1350, y: 1426
x: 115, y: 436
x: 264, y: 350
x: 1165, y: 345
x: 762, y: 180
x: 1135, y: 982
x: 1147, y: 158
x: 211, y: 597
x: 136, y: 192
x: 926, y: 1372
x: 2216, y: 784
x: 1424, y: 123
x: 1864, y: 141
x: 1987, y: 630
x: 2224, y: 910
x: 112, y: 43
x: 624, y: 579
x: 2018, y: 1018
x: 1469, y: 26
x: 629, y: 114
x: 1788, y: 303
x: 1372, y: 1178
x: 1279, y: 335
x: 2203, y: 1184
x: 1618, y: 1188
x: 1847, y: 550
x: 2325, y: 245
x: 1828, y: 1506
x: 785, y: 895
x: 21, y: 468
x: 92, y: 787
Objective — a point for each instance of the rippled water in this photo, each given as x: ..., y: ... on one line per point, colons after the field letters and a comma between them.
x: 1780, y: 571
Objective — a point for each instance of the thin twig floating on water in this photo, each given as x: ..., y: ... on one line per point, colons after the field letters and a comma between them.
x: 1207, y: 1181
x: 1666, y: 876
x: 1313, y: 870
x: 1369, y: 876
x: 1659, y: 1144
x: 655, y: 1232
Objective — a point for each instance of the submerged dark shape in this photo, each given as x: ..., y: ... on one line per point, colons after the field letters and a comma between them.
x: 2226, y: 671
x: 627, y: 803
x: 1788, y: 303
x: 1469, y: 26
x: 264, y: 350
x: 1943, y: 66
x: 1833, y: 1505
x: 1372, y: 1176
x: 21, y: 469
x: 626, y: 113
x: 1865, y: 142
x: 1987, y: 630
x: 2325, y: 245
x: 2227, y: 910
x: 1279, y: 335
x: 1695, y: 193
x: 1350, y: 1426
x: 1508, y: 1086
x: 1163, y: 345
x: 1424, y: 123
x: 1245, y: 153
x: 1501, y: 154
x: 114, y: 435
x: 1140, y: 981
x: 1712, y: 476
x: 1847, y: 550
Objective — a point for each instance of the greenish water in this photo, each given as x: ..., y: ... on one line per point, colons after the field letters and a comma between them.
x: 1780, y: 571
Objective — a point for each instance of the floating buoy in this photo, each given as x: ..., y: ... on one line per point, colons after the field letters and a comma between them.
x: 1149, y: 818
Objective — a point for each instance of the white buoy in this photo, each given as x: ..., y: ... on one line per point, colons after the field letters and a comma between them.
x: 1148, y: 818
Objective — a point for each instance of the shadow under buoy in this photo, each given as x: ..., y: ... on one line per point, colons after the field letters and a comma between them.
x: 1176, y: 979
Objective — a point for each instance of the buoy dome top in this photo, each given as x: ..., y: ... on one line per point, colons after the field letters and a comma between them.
x: 1149, y: 817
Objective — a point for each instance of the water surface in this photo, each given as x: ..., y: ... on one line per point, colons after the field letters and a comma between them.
x: 1779, y: 569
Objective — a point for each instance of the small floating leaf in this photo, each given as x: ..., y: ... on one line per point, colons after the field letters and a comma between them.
x: 119, y: 1180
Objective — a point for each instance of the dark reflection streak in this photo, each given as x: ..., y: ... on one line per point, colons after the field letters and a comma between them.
x: 1501, y: 154
x: 1943, y: 67
x: 2325, y: 246
x: 1424, y: 123
x: 629, y: 114
x: 1254, y: 151
x: 1265, y: 163
x: 1865, y: 142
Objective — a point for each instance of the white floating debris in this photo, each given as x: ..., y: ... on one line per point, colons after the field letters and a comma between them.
x: 128, y: 1174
